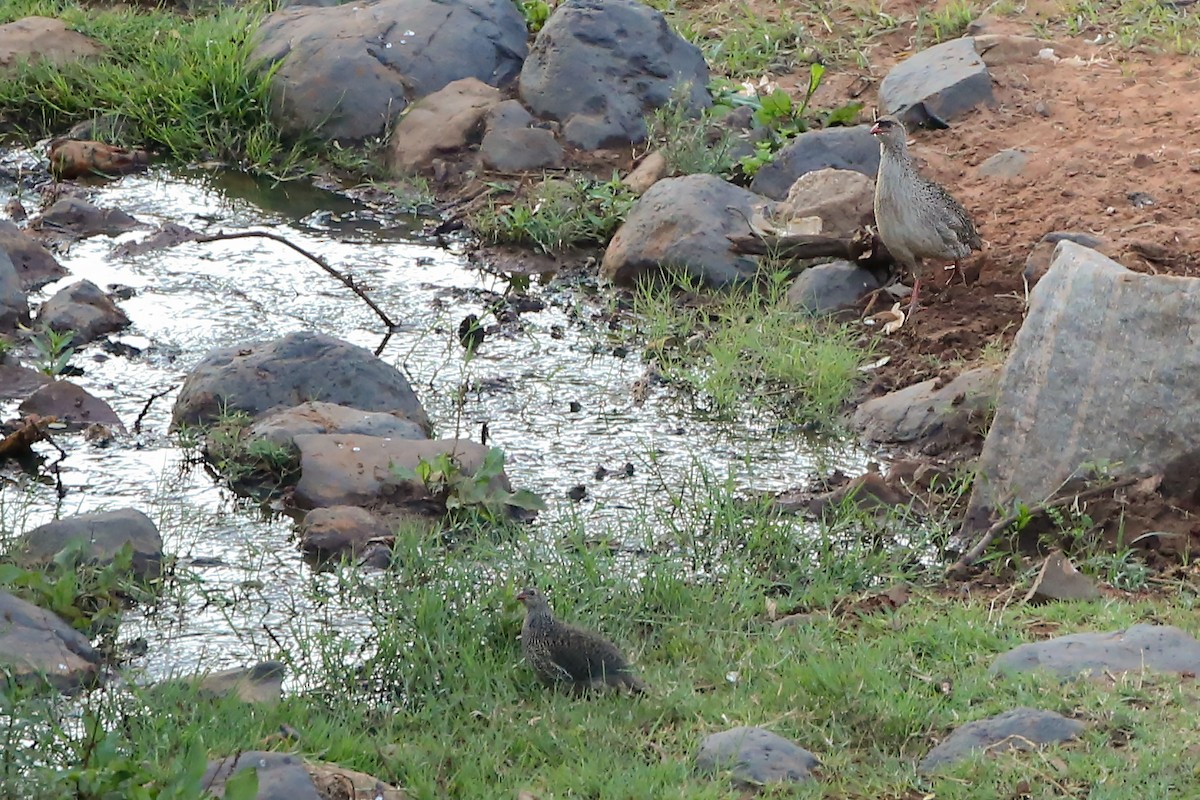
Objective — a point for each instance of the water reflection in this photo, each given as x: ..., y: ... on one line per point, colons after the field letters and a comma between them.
x: 556, y: 403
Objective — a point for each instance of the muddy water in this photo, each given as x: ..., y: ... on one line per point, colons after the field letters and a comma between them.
x: 523, y: 383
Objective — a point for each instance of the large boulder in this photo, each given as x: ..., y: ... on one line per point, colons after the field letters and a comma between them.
x: 681, y: 225
x: 829, y: 148
x: 1138, y: 648
x: 18, y: 382
x: 347, y: 71
x: 35, y: 265
x: 599, y: 66
x: 937, y: 84
x: 14, y: 305
x: 43, y: 39
x: 282, y: 426
x: 77, y: 216
x: 1101, y: 372
x: 843, y: 199
x: 303, y: 366
x: 36, y: 645
x: 85, y: 309
x: 101, y: 535
x: 828, y: 288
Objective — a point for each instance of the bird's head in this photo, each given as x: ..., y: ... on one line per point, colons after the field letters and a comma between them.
x: 531, y: 597
x: 889, y: 130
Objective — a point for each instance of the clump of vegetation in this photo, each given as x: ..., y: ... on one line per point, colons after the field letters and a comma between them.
x: 535, y: 12
x: 691, y: 143
x: 184, y: 85
x: 748, y: 349
x: 947, y: 22
x: 559, y: 213
x: 53, y: 349
x: 246, y: 462
x: 478, y: 496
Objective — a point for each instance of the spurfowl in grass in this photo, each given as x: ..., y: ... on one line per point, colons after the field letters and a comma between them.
x: 564, y: 656
x: 916, y: 218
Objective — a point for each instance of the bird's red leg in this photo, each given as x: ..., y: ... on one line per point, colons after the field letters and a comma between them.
x: 912, y: 306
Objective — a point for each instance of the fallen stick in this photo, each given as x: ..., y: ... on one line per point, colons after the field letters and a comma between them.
x: 972, y: 555
x: 863, y: 248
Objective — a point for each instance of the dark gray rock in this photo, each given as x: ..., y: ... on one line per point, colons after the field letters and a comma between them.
x: 1156, y: 648
x: 1099, y: 373
x: 599, y: 66
x: 940, y: 83
x: 339, y: 531
x: 341, y: 469
x: 84, y: 308
x: 830, y: 148
x: 520, y: 149
x: 34, y: 264
x: 348, y: 71
x: 281, y: 776
x: 932, y: 416
x: 71, y: 404
x: 14, y: 305
x: 294, y: 369
x: 17, y: 383
x: 827, y: 288
x: 756, y: 756
x: 508, y: 115
x: 283, y: 425
x: 36, y: 645
x: 79, y: 217
x: 1019, y: 729
x: 679, y: 226
x: 102, y: 535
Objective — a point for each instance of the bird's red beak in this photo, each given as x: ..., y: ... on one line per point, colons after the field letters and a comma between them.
x: 522, y: 596
x: 876, y: 129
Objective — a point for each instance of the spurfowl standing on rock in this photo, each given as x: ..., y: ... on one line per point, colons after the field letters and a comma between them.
x: 917, y: 218
x: 568, y: 657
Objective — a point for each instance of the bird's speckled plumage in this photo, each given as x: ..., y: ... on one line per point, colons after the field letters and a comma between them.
x: 917, y: 219
x: 568, y: 657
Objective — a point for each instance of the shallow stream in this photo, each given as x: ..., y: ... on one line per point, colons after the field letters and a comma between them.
x: 524, y: 384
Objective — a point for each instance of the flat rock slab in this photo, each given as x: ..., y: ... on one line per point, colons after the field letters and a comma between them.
x: 349, y: 70
x: 851, y: 148
x: 680, y: 227
x: 261, y: 376
x: 1157, y: 648
x: 71, y: 404
x: 261, y: 683
x: 282, y: 426
x: 932, y: 416
x: 77, y: 216
x: 282, y: 776
x: 943, y: 82
x: 36, y: 645
x: 101, y: 535
x: 354, y: 470
x: 756, y: 756
x: 1019, y: 729
x: 1102, y: 371
x: 599, y: 66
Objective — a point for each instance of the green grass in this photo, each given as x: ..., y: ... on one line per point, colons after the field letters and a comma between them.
x: 945, y: 23
x: 557, y: 214
x: 1134, y: 24
x: 433, y: 697
x: 747, y: 352
x: 181, y: 85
